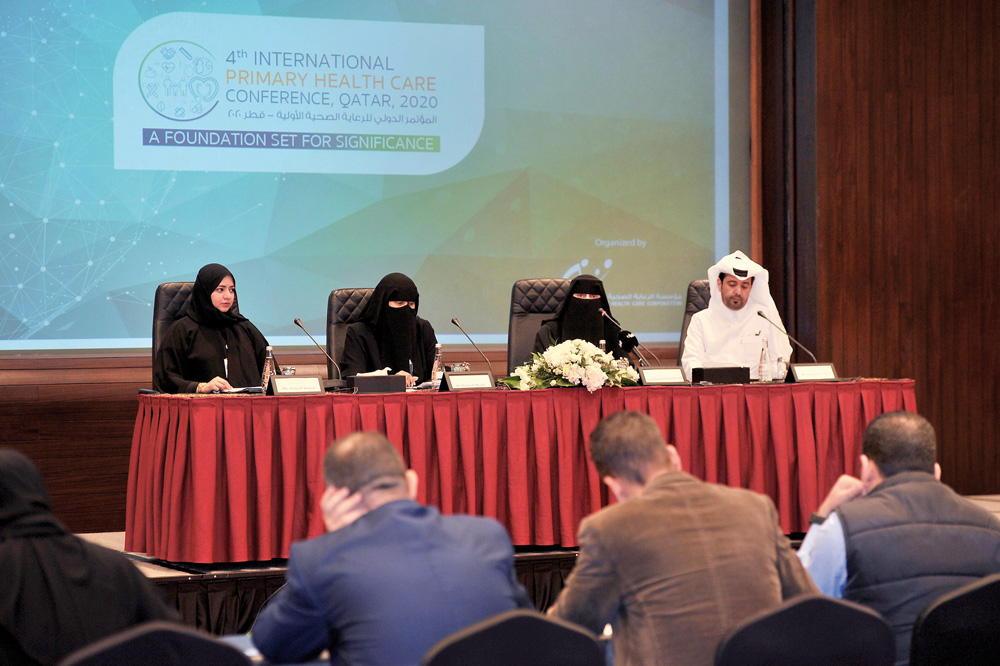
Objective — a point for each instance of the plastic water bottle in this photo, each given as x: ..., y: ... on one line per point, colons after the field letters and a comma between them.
x: 764, y: 369
x: 265, y: 376
x: 437, y: 371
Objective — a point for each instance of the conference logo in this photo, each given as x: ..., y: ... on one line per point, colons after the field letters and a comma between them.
x: 176, y: 80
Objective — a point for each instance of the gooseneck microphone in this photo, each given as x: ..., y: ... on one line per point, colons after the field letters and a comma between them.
x: 760, y: 313
x: 642, y: 359
x: 454, y: 320
x: 298, y: 322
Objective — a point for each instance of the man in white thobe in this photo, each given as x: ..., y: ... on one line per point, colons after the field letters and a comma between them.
x: 730, y: 331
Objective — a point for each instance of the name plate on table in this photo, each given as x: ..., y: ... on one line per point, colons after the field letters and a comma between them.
x: 289, y: 385
x: 468, y: 381
x: 811, y: 372
x: 661, y: 376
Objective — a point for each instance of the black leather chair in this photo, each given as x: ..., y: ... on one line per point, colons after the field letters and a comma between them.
x: 810, y: 631
x: 342, y: 308
x: 960, y: 627
x: 531, y: 301
x: 698, y: 294
x: 522, y: 637
x: 170, y: 303
x: 157, y: 644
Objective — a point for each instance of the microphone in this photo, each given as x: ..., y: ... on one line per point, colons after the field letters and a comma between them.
x: 760, y: 313
x: 642, y: 359
x: 339, y: 382
x: 454, y: 320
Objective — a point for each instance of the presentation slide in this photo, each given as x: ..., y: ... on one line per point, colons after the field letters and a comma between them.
x: 310, y: 146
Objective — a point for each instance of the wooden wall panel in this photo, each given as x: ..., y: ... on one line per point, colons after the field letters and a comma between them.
x: 909, y: 233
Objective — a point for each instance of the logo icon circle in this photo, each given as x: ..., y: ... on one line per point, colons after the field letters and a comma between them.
x: 177, y: 81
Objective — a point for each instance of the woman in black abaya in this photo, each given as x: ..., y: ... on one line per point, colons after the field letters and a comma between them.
x: 213, y: 347
x: 579, y: 318
x: 390, y: 334
x: 58, y: 592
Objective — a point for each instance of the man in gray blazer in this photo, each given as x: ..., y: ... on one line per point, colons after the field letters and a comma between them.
x: 677, y: 563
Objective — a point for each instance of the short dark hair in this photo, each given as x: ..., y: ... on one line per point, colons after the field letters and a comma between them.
x: 626, y: 444
x: 361, y: 460
x: 900, y: 442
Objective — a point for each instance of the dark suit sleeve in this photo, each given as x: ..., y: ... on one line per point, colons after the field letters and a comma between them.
x: 291, y: 627
x: 503, y: 545
x: 592, y: 592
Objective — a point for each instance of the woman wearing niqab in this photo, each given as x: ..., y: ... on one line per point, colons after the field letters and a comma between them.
x: 213, y: 347
x: 579, y: 318
x: 58, y: 592
x: 390, y: 334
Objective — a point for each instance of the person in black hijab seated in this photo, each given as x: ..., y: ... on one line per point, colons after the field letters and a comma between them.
x: 58, y: 592
x: 579, y: 318
x: 213, y: 347
x: 390, y: 334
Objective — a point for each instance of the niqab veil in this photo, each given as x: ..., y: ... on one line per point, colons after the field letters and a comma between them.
x: 395, y: 329
x: 581, y: 319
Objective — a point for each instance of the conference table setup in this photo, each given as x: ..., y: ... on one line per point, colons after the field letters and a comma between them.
x: 235, y: 478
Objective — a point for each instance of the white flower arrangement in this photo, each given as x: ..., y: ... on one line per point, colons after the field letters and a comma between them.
x: 572, y: 363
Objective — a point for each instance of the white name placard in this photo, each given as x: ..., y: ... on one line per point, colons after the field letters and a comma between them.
x: 813, y: 372
x: 661, y: 376
x: 296, y: 385
x: 467, y: 381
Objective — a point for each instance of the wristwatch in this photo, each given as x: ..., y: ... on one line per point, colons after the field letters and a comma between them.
x: 816, y: 519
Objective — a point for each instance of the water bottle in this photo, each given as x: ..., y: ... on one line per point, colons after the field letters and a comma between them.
x: 437, y: 371
x: 265, y: 376
x: 764, y: 369
x: 603, y: 346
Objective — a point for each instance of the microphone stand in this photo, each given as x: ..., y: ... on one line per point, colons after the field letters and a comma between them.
x: 330, y: 383
x: 642, y: 359
x: 760, y: 313
x: 454, y: 320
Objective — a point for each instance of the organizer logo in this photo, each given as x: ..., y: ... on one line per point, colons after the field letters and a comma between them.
x: 177, y: 81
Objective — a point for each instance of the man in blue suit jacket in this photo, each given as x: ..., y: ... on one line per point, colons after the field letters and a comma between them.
x: 391, y: 577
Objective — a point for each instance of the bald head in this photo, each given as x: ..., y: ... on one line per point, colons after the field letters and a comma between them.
x: 365, y: 461
x: 900, y: 442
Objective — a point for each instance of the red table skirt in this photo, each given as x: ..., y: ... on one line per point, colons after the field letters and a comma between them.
x: 238, y: 478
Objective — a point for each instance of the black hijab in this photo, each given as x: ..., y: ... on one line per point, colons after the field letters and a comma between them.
x: 581, y: 319
x: 57, y: 593
x: 233, y: 341
x: 396, y: 328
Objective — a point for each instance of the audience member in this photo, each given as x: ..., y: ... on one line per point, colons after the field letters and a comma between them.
x: 677, y: 563
x: 391, y: 577
x: 58, y: 592
x: 897, y: 538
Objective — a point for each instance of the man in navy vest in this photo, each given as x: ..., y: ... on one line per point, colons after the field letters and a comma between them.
x: 897, y: 538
